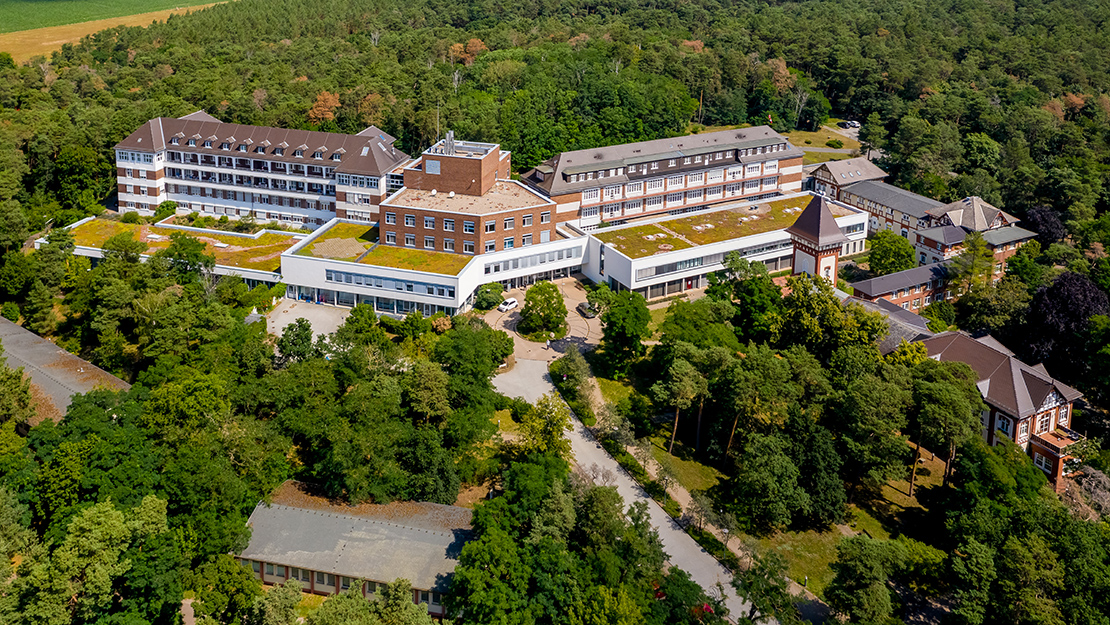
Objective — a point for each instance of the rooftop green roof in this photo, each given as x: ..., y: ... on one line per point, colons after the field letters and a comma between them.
x: 262, y: 253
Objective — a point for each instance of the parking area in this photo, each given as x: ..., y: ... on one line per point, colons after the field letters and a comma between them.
x: 585, y: 333
x: 324, y: 319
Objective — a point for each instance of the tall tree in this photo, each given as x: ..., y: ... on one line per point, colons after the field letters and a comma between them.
x: 859, y: 589
x: 975, y: 264
x: 625, y: 322
x: 682, y: 385
x: 764, y: 586
x: 872, y: 133
x: 15, y: 393
x: 542, y: 427
x: 544, y: 309
x: 890, y: 253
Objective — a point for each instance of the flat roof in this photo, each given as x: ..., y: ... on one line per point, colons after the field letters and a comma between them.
x: 503, y: 195
x: 727, y: 222
x: 56, y: 375
x: 417, y: 541
x: 262, y: 253
x: 359, y: 243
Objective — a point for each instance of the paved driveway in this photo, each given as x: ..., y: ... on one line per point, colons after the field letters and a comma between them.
x: 324, y: 319
x: 529, y: 380
x: 585, y: 333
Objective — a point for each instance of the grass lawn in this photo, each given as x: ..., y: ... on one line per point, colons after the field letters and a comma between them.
x: 692, y: 475
x: 309, y: 604
x: 503, y: 419
x: 808, y: 555
x: 723, y: 225
x: 658, y: 316
x: 818, y: 139
x: 634, y: 242
x: 613, y: 391
x: 342, y: 242
x: 417, y: 260
x: 812, y: 158
x: 16, y: 15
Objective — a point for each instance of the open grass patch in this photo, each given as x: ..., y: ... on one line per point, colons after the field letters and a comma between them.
x: 17, y: 15
x: 691, y: 474
x: 820, y: 137
x: 658, y: 316
x: 812, y: 158
x: 417, y: 260
x: 613, y: 391
x: 503, y: 419
x: 309, y: 604
x: 808, y: 555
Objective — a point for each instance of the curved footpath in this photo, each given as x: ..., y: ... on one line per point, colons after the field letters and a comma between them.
x: 529, y: 380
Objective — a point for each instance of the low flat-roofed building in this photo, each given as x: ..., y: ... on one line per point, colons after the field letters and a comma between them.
x: 331, y: 547
x: 673, y: 254
x: 1025, y: 404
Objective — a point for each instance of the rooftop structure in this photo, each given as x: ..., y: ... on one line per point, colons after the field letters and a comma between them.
x: 503, y: 195
x: 972, y: 213
x: 56, y: 375
x: 817, y: 223
x: 261, y: 251
x: 885, y: 195
x: 951, y: 223
x: 848, y: 171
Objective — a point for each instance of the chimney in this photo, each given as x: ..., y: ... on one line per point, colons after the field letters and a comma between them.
x: 449, y: 143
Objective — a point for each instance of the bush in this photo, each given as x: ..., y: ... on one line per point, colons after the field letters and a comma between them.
x: 10, y: 310
x: 715, y: 547
x: 489, y: 295
x: 131, y: 218
x: 389, y: 324
x: 834, y: 143
x: 809, y: 142
x: 165, y: 209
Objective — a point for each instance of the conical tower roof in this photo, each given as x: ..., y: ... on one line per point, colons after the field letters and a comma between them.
x: 817, y: 225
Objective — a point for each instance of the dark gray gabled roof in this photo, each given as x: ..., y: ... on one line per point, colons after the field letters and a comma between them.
x: 874, y: 287
x: 853, y: 170
x: 418, y: 541
x: 907, y: 202
x: 56, y: 375
x: 1004, y: 381
x: 948, y: 235
x: 1007, y: 235
x: 817, y: 224
x: 973, y: 213
x: 902, y: 324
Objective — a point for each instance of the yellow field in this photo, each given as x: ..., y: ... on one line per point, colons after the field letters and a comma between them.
x: 27, y: 44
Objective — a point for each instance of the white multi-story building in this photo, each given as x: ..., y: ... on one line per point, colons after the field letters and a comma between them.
x: 296, y: 177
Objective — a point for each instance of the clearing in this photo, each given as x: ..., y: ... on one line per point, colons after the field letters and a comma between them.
x: 30, y: 29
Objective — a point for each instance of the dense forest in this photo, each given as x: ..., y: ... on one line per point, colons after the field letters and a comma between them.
x: 135, y: 498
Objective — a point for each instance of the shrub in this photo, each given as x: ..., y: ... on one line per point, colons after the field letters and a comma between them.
x: 489, y: 295
x: 10, y: 310
x: 809, y: 142
x: 834, y: 143
x: 165, y: 209
x: 131, y: 218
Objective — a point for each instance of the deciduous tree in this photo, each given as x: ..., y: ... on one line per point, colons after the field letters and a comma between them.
x: 890, y: 253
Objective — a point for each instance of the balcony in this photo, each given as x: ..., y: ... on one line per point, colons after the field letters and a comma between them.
x: 1058, y: 440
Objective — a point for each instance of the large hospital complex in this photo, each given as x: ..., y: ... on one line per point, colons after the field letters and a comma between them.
x: 363, y: 222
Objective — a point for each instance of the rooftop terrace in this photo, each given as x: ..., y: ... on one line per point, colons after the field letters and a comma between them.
x: 504, y: 195
x: 358, y: 243
x: 262, y: 253
x: 733, y: 222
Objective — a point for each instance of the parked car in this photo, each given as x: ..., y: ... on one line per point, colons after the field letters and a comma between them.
x: 844, y: 124
x: 587, y: 311
x: 854, y: 124
x: 508, y: 305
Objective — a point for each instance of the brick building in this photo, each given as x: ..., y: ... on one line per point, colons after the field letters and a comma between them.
x: 269, y: 174
x: 891, y: 208
x: 1025, y: 404
x: 831, y: 177
x: 667, y: 176
x: 950, y: 224
x: 912, y: 289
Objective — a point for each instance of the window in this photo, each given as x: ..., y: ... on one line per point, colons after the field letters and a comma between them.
x: 1042, y: 462
x: 526, y: 221
x: 468, y: 247
x: 671, y: 163
x: 319, y: 577
x: 525, y: 240
x: 1023, y: 430
x: 509, y: 223
x: 344, y: 583
x: 410, y: 240
x: 591, y: 195
x: 1004, y: 425
x: 448, y: 245
x: 448, y: 225
x: 1043, y: 422
x: 410, y: 221
x: 491, y: 226
x: 242, y: 147
x: 468, y: 227
x: 256, y: 567
x: 298, y: 153
x: 686, y: 161
x: 391, y: 238
x: 269, y: 569
x: 336, y: 156
x: 429, y: 223
x: 279, y: 151
x: 1063, y: 416
x: 508, y: 243
x: 225, y: 146
x: 391, y: 218
x: 130, y: 173
x: 491, y: 246
x: 317, y: 155
x: 429, y: 243
x: 655, y: 165
x: 545, y: 217
x: 260, y: 150
x: 174, y: 141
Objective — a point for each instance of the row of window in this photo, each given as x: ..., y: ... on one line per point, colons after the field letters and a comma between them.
x: 256, y: 182
x: 366, y: 182
x: 658, y: 185
x: 509, y: 223
x: 534, y: 260
x: 672, y: 200
x: 708, y: 260
x: 273, y: 167
x: 377, y: 282
x: 131, y: 173
x: 259, y: 149
x: 696, y: 159
x: 329, y: 580
x: 254, y: 198
x: 134, y: 157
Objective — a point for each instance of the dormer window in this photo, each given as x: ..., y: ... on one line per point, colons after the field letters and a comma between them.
x: 686, y: 161
x: 279, y: 151
x: 207, y: 144
x: 335, y: 157
x: 225, y: 146
x: 242, y: 147
x: 671, y: 163
x: 590, y: 175
x: 631, y: 169
x: 728, y: 154
x: 174, y: 141
x: 298, y: 153
x: 317, y: 155
x: 192, y: 143
x: 260, y: 150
